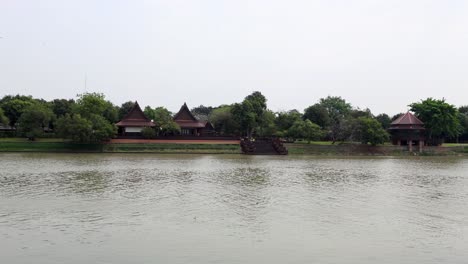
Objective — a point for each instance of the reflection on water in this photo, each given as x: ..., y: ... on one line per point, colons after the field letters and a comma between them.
x: 231, y: 209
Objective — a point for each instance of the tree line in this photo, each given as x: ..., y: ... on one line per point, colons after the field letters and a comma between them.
x: 91, y: 118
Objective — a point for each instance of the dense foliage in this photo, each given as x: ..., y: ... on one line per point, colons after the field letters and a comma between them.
x: 440, y: 118
x: 91, y: 118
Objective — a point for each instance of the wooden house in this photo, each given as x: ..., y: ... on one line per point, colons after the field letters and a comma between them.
x: 190, y: 125
x: 133, y: 123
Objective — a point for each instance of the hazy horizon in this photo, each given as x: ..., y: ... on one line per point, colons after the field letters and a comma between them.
x: 381, y: 55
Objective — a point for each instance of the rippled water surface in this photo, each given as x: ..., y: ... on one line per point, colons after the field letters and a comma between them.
x: 72, y: 208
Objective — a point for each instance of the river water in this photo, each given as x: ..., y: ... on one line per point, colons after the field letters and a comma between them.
x: 113, y: 208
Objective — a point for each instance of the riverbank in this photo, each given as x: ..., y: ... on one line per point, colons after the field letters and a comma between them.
x: 60, y: 146
x: 218, y: 147
x: 350, y: 149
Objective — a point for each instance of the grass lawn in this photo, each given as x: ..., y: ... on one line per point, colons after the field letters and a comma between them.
x: 322, y: 143
x: 37, y: 140
x: 455, y: 145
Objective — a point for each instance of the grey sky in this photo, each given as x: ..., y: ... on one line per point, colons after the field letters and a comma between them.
x: 381, y: 54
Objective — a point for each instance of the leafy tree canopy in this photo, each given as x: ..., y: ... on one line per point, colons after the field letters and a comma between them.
x: 89, y: 104
x: 75, y: 127
x: 223, y: 121
x: 249, y: 113
x: 384, y: 120
x: 202, y: 112
x: 441, y: 119
x: 13, y: 106
x: 317, y: 114
x: 285, y: 120
x: 61, y: 107
x: 305, y: 130
x: 164, y: 120
x: 34, y: 119
x: 370, y: 131
x: 3, y: 118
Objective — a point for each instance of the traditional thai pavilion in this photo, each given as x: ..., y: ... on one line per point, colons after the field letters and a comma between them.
x: 408, y: 130
x: 133, y: 123
x: 190, y: 125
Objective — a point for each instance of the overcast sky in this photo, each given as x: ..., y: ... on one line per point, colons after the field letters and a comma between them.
x: 381, y: 54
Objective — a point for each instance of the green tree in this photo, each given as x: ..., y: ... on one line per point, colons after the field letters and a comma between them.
x: 171, y: 128
x: 34, y: 119
x: 338, y: 109
x: 75, y: 127
x: 89, y: 104
x: 248, y: 114
x: 149, y: 112
x: 266, y: 124
x: 103, y: 130
x: 305, y: 130
x: 61, y: 107
x: 384, y: 120
x: 202, y: 112
x: 285, y: 120
x: 370, y: 131
x: 163, y: 118
x: 441, y: 119
x: 463, y: 117
x: 223, y: 121
x: 3, y: 118
x: 93, y: 108
x: 13, y: 106
x: 317, y: 114
x: 148, y: 132
x: 356, y: 113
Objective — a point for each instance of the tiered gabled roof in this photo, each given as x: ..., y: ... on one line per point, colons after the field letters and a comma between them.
x: 135, y: 118
x: 407, y: 121
x: 185, y: 118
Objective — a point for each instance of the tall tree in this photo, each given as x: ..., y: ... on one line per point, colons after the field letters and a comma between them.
x: 338, y: 109
x: 61, y: 107
x: 149, y: 112
x: 223, y: 121
x: 317, y: 114
x: 34, y: 119
x: 370, y: 131
x: 441, y: 119
x: 89, y: 104
x: 305, y: 130
x: 285, y: 120
x: 75, y: 127
x: 384, y: 120
x: 13, y: 106
x: 164, y: 120
x: 266, y: 126
x: 202, y: 112
x: 249, y: 113
x: 463, y: 117
x: 3, y: 118
x: 94, y: 108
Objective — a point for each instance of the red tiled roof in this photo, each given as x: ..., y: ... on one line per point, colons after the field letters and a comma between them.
x: 407, y: 121
x: 135, y: 118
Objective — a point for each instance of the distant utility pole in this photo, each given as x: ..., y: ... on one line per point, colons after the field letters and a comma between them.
x: 86, y: 82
